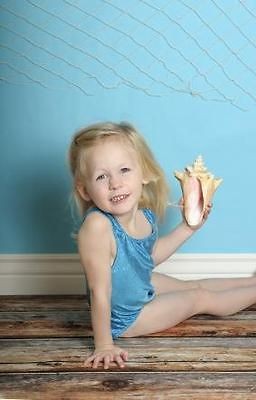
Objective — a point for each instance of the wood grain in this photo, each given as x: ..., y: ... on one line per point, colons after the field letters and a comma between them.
x: 48, y: 323
x: 129, y: 385
x: 44, y: 341
x: 173, y: 354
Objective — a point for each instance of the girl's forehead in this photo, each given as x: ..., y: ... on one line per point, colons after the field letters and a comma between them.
x: 112, y: 147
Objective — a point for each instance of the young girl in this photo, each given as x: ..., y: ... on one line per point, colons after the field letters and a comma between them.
x: 121, y: 192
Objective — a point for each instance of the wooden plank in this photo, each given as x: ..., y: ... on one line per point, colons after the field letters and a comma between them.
x: 152, y: 354
x: 174, y: 366
x: 124, y: 386
x: 43, y: 302
x: 51, y: 302
x: 242, y: 315
x: 68, y: 323
x: 218, y: 327
x: 45, y: 324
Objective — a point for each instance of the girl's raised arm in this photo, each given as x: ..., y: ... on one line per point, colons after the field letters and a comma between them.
x: 168, y: 244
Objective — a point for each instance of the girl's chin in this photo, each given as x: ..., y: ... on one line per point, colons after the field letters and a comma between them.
x: 122, y: 208
x: 125, y: 205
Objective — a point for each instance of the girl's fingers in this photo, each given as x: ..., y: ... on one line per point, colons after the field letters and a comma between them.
x: 106, y: 362
x: 207, y: 210
x: 119, y: 361
x: 88, y: 362
x: 124, y: 355
x: 96, y: 362
x: 119, y: 357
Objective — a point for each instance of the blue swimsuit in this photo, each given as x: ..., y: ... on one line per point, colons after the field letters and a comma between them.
x: 131, y: 274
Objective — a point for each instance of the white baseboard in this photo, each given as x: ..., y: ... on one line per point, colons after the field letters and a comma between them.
x: 28, y: 274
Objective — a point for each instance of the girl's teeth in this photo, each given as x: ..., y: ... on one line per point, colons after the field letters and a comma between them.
x: 119, y: 198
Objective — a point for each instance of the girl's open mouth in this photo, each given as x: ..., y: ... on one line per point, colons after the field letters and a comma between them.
x: 119, y: 197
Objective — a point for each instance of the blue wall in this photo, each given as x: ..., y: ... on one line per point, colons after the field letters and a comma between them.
x: 38, y: 119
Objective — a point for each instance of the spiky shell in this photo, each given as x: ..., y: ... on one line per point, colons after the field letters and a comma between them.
x: 198, y: 185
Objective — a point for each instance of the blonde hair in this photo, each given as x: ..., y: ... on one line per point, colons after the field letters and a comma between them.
x: 154, y: 194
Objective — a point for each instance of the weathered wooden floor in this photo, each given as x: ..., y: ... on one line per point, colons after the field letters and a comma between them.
x: 44, y: 340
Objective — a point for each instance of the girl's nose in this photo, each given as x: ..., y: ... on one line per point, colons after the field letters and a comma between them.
x: 115, y: 182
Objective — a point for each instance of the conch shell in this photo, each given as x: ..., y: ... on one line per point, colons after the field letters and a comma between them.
x: 198, y: 186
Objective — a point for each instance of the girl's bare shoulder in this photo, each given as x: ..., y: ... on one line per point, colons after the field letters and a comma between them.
x: 96, y: 225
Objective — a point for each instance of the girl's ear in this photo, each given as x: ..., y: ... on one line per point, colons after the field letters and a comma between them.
x: 145, y: 181
x: 81, y: 190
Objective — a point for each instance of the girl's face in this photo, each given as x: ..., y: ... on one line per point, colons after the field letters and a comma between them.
x: 114, y: 180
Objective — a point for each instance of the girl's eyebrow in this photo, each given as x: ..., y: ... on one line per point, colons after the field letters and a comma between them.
x: 99, y: 171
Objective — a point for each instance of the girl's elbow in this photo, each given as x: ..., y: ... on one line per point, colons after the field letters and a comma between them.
x: 99, y: 293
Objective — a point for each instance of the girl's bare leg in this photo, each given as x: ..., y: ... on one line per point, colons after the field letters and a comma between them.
x: 169, y: 309
x: 164, y: 284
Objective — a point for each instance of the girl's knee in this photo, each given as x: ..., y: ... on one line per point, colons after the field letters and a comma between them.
x: 202, y: 299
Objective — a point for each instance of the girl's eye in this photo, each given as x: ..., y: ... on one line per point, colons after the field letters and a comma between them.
x: 100, y: 177
x: 124, y: 170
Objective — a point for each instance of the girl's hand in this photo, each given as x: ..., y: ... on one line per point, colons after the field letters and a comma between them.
x: 205, y: 216
x: 207, y: 212
x: 106, y: 355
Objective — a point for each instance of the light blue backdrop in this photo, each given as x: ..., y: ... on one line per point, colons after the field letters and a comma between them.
x: 42, y: 105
